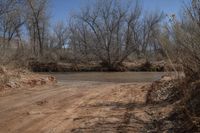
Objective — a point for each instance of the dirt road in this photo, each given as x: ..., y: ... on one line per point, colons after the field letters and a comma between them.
x: 75, y: 107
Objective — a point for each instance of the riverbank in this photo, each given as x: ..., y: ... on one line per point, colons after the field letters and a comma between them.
x: 138, y: 66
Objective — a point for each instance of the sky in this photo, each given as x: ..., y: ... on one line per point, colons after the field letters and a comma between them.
x: 61, y: 9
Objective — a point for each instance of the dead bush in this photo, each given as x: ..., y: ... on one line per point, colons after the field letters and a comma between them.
x: 164, y: 91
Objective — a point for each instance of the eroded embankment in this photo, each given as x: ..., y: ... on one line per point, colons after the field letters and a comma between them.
x: 12, y: 80
x: 173, y: 117
x: 141, y: 66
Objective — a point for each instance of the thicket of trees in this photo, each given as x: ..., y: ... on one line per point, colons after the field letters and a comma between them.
x: 11, y: 20
x: 23, y: 28
x: 112, y: 32
x: 105, y: 31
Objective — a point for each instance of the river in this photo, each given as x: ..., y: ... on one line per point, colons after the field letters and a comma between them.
x: 115, y: 77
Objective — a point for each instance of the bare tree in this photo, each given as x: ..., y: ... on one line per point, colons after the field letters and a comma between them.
x: 37, y: 22
x: 187, y: 37
x: 150, y: 29
x: 60, y: 35
x: 109, y: 30
x: 182, y: 40
x: 7, y: 6
x: 11, y: 21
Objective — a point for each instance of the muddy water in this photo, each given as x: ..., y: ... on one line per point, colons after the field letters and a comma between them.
x: 116, y: 77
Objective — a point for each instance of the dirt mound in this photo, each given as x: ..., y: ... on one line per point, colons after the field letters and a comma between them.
x: 15, y: 79
x: 35, y: 81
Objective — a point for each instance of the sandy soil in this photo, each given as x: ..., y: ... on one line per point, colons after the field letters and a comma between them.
x: 76, y: 107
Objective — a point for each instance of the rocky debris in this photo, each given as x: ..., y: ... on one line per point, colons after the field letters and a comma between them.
x: 12, y: 84
x: 164, y: 91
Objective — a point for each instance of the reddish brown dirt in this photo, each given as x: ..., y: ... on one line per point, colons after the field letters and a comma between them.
x: 76, y: 107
